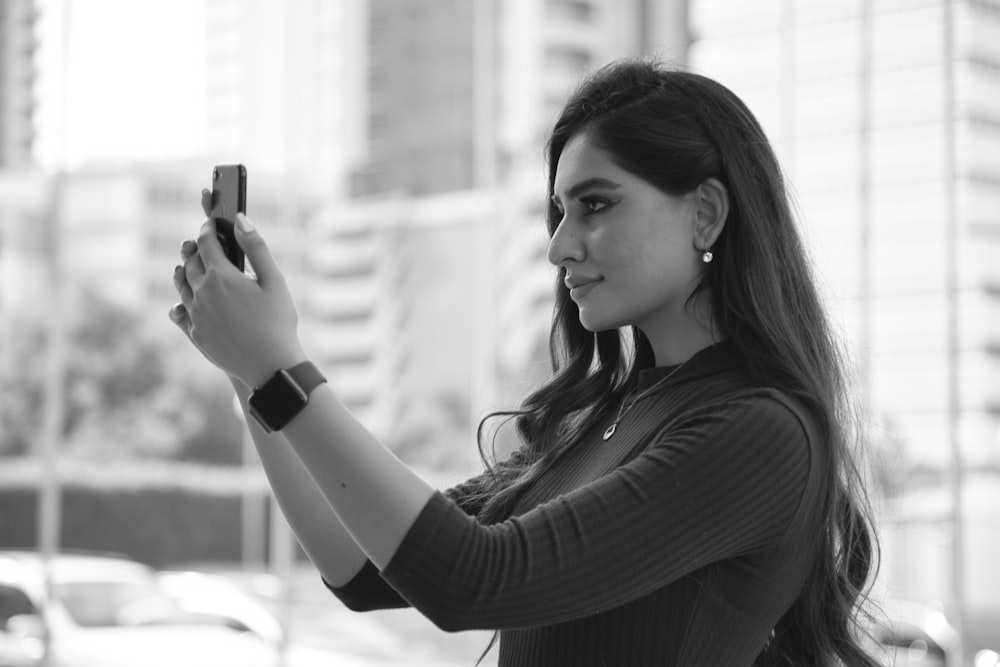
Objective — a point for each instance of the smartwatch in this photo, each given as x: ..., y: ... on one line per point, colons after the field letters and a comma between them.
x: 277, y: 401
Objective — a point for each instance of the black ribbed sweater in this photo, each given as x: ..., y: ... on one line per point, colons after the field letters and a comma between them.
x: 680, y: 541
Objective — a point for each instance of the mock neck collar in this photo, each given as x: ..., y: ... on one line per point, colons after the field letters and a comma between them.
x: 706, y: 361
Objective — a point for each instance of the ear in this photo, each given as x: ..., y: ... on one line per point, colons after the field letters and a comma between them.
x: 712, y: 200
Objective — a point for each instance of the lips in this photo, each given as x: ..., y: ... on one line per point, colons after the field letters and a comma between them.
x: 574, y: 280
x: 580, y: 285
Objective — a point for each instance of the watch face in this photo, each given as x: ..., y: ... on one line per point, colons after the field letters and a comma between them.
x: 277, y: 401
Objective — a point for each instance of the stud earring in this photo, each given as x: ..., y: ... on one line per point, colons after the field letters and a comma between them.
x: 707, y: 257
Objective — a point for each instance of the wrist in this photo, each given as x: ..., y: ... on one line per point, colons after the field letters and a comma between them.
x: 237, y: 382
x: 278, y: 400
x: 266, y: 368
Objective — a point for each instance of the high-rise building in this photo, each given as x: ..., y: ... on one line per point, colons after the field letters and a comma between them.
x: 864, y: 140
x: 17, y: 80
x: 886, y: 117
x: 21, y: 190
x: 390, y: 302
x: 420, y: 98
x: 281, y: 79
x: 120, y: 230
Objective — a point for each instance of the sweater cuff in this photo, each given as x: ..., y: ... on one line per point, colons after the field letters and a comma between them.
x: 409, y: 565
x: 367, y: 591
x: 370, y: 589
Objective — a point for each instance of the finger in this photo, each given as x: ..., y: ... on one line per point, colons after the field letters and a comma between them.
x: 188, y: 248
x: 181, y: 285
x: 209, y: 248
x: 206, y: 201
x: 178, y: 314
x: 194, y: 270
x: 256, y: 251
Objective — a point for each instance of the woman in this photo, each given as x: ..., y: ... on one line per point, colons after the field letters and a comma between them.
x: 684, y: 493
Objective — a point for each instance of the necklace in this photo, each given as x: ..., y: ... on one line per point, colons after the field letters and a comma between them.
x: 627, y: 405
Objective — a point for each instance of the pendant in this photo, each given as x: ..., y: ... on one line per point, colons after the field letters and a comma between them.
x: 611, y: 431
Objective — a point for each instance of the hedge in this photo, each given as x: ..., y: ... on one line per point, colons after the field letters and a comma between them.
x: 158, y: 513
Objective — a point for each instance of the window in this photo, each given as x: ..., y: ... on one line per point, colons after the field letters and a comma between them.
x: 579, y: 11
x: 567, y: 59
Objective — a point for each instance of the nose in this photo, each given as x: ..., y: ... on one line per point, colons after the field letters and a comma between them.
x: 565, y: 244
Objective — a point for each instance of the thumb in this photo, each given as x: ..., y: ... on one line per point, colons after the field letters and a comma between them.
x: 256, y: 250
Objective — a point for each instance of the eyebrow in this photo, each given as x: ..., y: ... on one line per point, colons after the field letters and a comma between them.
x: 588, y: 184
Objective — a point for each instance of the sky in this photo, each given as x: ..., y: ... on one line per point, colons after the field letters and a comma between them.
x: 133, y: 84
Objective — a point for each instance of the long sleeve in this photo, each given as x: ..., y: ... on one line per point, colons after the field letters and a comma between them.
x: 724, y: 483
x: 368, y: 591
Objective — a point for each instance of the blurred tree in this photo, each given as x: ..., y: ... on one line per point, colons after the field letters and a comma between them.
x: 134, y: 388
x: 21, y: 382
x: 112, y: 370
x: 434, y: 432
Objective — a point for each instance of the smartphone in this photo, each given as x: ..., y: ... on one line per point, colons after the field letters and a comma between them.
x: 229, y: 197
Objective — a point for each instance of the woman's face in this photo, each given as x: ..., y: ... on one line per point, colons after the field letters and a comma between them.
x: 627, y: 248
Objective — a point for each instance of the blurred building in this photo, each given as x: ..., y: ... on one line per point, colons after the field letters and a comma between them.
x: 21, y: 191
x: 419, y: 98
x: 17, y: 81
x: 855, y: 97
x: 864, y: 141
x: 281, y: 80
x: 121, y: 226
x: 448, y: 82
x: 390, y: 300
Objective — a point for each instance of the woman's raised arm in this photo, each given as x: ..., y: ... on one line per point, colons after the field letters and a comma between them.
x: 322, y: 536
x: 247, y: 327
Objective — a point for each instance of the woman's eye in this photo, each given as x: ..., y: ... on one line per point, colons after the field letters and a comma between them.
x: 594, y: 205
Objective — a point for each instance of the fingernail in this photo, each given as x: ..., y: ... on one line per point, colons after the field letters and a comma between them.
x: 244, y: 223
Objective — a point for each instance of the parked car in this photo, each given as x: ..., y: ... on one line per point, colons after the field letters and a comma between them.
x: 21, y: 643
x: 913, y: 634
x: 110, y: 611
x: 218, y: 599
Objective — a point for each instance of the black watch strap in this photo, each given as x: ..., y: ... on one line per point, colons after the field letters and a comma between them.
x: 277, y: 401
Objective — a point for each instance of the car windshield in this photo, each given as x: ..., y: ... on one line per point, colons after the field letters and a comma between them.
x: 111, y: 603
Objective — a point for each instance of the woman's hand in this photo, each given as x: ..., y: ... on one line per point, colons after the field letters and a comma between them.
x: 245, y: 325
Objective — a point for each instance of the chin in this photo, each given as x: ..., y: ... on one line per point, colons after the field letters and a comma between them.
x: 598, y: 324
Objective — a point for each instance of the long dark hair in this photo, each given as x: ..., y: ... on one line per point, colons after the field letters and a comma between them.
x: 676, y: 129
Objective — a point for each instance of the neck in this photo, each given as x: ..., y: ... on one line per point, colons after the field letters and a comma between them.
x: 678, y: 340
